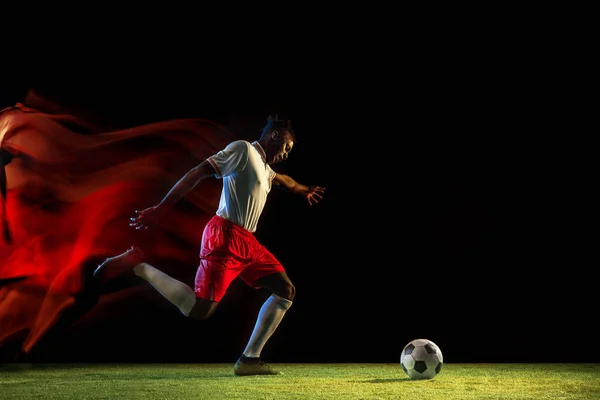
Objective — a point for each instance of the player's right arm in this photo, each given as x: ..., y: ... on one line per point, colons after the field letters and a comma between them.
x: 192, y: 178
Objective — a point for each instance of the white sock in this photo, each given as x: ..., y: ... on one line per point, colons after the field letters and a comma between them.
x: 173, y: 290
x: 270, y: 315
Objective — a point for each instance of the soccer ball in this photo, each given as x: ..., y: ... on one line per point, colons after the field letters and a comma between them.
x: 421, y: 359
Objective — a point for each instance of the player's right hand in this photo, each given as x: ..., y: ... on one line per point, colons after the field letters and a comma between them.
x: 145, y: 218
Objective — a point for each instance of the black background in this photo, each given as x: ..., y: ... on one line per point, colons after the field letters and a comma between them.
x: 447, y: 214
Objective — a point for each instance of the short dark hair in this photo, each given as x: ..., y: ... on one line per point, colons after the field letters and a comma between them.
x: 276, y: 124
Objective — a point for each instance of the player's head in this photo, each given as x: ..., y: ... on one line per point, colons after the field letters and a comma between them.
x: 277, y: 139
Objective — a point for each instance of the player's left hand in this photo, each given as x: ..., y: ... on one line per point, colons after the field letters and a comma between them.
x: 315, y: 194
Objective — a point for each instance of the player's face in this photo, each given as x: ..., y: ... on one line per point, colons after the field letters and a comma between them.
x: 280, y: 146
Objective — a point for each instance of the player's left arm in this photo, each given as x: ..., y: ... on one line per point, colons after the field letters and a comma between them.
x: 313, y: 194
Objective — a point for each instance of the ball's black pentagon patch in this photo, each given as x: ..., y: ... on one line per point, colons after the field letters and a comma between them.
x: 420, y: 366
x: 409, y: 349
x: 438, y: 368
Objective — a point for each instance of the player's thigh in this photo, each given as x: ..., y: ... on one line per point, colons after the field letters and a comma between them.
x: 214, y: 276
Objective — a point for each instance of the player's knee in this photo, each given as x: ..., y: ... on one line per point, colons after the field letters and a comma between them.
x: 289, y: 292
x: 278, y: 284
x: 203, y: 309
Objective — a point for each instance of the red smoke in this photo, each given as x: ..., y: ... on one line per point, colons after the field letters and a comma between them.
x: 71, y: 189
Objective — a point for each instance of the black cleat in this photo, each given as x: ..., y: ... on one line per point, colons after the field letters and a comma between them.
x: 253, y: 366
x: 119, y: 265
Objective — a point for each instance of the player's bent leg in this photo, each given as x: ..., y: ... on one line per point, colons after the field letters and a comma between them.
x: 269, y: 317
x: 177, y: 292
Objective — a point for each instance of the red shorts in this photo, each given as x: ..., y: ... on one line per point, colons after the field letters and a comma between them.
x: 228, y: 251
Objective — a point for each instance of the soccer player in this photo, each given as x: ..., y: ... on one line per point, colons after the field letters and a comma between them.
x: 229, y: 248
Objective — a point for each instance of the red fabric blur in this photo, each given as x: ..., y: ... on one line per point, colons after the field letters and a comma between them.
x: 71, y: 189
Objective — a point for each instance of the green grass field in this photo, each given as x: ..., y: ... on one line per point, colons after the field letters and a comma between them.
x: 300, y: 381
